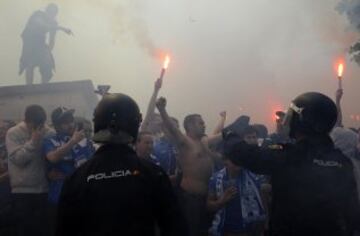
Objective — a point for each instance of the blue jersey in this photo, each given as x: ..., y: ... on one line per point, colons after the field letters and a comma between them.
x: 166, y: 153
x: 78, y: 155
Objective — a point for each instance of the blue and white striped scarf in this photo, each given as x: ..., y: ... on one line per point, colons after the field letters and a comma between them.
x: 252, y: 209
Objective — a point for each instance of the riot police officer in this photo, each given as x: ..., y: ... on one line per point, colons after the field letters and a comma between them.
x: 313, y: 186
x: 117, y: 193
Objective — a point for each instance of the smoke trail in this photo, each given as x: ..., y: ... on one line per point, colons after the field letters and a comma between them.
x: 141, y: 34
x: 127, y: 21
x: 351, y: 8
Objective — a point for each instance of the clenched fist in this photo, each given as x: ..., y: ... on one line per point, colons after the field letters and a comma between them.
x: 161, y: 103
x: 223, y: 114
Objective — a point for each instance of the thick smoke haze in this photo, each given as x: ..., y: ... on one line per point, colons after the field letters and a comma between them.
x: 246, y: 57
x: 351, y: 9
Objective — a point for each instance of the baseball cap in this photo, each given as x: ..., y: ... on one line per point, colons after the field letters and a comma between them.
x: 61, y: 115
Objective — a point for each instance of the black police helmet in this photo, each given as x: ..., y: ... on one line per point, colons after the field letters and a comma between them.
x: 311, y: 113
x: 116, y: 119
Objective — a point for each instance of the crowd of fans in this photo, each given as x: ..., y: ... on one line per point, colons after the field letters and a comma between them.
x: 216, y: 196
x: 58, y: 178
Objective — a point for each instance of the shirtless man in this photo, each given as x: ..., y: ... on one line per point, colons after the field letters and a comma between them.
x: 195, y: 160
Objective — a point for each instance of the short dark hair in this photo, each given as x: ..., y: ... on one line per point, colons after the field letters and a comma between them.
x: 143, y: 133
x: 35, y: 114
x: 189, y: 119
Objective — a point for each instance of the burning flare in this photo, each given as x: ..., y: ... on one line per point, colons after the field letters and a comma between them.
x: 340, y: 70
x: 166, y: 62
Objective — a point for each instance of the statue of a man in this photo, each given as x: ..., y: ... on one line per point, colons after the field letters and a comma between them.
x: 38, y: 42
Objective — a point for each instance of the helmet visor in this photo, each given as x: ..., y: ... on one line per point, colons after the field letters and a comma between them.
x: 293, y: 109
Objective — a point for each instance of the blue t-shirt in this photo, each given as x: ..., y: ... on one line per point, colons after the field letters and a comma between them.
x: 233, y: 217
x: 166, y: 153
x: 78, y: 155
x: 233, y: 209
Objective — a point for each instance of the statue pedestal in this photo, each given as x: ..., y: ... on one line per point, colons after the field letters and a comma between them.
x: 78, y: 95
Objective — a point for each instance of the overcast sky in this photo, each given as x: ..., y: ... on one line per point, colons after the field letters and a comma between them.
x: 246, y: 57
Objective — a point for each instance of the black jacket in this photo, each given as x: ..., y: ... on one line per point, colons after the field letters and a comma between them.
x: 313, y: 186
x: 116, y: 193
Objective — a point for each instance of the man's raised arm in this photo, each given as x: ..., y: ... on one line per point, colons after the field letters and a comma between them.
x: 258, y: 160
x: 220, y: 126
x: 49, y: 26
x: 22, y: 153
x: 179, y: 137
x: 151, y: 107
x: 55, y: 154
x: 216, y: 137
x: 339, y: 94
x: 213, y: 140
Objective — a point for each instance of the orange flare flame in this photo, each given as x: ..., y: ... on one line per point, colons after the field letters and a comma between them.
x: 166, y: 62
x: 340, y: 70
